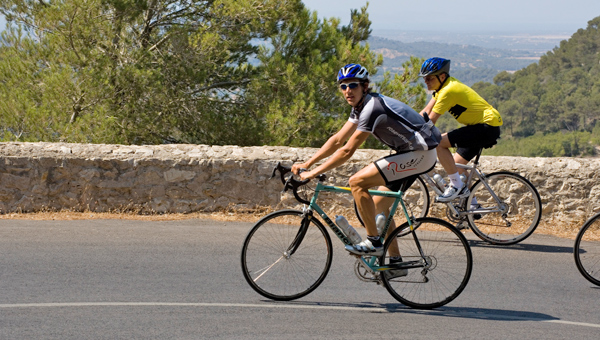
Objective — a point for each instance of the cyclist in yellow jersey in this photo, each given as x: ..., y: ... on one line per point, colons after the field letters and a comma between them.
x: 468, y: 108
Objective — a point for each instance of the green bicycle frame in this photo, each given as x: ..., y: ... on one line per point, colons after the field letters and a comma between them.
x: 369, y: 261
x: 331, y: 188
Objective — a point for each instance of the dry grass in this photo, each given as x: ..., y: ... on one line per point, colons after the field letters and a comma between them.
x: 70, y: 215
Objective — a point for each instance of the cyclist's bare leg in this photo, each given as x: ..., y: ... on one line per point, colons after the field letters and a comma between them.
x: 445, y: 155
x: 383, y: 204
x: 460, y: 160
x: 360, y: 183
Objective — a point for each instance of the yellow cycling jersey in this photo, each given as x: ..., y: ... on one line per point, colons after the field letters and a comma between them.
x: 465, y: 104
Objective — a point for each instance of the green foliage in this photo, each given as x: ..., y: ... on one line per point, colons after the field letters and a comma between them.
x: 125, y: 71
x: 558, y: 144
x: 404, y: 86
x: 245, y: 72
x: 255, y: 72
x: 296, y: 95
x: 559, y: 96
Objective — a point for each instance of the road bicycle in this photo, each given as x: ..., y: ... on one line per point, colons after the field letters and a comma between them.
x: 287, y: 254
x: 587, y: 250
x: 509, y: 207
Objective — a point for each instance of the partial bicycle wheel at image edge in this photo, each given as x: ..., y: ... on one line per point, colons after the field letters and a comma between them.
x: 282, y: 259
x: 511, y: 219
x: 441, y: 275
x: 587, y: 250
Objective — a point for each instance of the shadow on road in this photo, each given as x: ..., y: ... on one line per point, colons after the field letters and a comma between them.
x: 455, y: 312
x: 542, y: 248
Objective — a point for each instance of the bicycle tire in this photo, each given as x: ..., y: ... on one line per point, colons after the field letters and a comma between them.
x: 450, y: 263
x: 587, y: 250
x: 416, y: 198
x: 520, y: 210
x: 271, y: 270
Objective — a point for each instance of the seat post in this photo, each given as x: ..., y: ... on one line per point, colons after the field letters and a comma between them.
x: 476, y: 161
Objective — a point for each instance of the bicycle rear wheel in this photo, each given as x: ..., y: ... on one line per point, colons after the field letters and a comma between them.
x: 587, y: 250
x: 442, y: 274
x: 512, y: 219
x: 416, y: 198
x: 282, y: 259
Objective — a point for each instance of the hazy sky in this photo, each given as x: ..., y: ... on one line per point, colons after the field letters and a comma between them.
x: 464, y: 15
x: 467, y: 15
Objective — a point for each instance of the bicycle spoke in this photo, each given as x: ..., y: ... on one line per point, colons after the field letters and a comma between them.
x: 446, y: 272
x: 265, y: 270
x: 510, y: 214
x: 587, y: 250
x: 269, y: 266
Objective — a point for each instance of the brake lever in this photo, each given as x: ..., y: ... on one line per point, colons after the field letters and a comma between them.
x: 290, y: 182
x: 297, y: 183
x: 288, y: 185
x: 275, y: 170
x: 282, y: 171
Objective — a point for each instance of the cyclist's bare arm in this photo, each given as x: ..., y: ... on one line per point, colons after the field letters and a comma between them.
x: 429, y: 110
x: 340, y: 156
x: 429, y: 107
x: 333, y: 144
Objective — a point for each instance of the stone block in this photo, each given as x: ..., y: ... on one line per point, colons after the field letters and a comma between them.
x: 174, y: 175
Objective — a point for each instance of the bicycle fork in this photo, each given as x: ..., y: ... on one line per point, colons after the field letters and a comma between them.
x: 300, y: 235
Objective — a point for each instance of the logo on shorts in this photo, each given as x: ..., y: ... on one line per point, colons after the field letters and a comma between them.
x: 406, y: 166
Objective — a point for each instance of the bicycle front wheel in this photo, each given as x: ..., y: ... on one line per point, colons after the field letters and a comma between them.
x: 510, y: 219
x: 587, y: 250
x: 435, y: 276
x: 286, y: 255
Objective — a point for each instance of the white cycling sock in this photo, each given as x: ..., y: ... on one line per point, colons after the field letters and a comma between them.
x: 455, y: 180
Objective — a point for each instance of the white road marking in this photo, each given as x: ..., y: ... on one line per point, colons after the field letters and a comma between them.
x: 290, y: 306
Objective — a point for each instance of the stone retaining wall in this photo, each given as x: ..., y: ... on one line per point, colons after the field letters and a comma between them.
x: 189, y: 178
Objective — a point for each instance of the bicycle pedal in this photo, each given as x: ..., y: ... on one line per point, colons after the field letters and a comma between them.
x: 462, y: 226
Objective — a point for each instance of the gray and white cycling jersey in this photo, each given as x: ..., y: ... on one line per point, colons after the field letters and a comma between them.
x: 395, y: 124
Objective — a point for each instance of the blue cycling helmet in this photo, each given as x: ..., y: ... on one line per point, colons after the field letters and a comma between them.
x: 435, y: 66
x: 354, y: 71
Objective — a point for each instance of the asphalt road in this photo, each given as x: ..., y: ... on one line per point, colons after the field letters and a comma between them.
x: 121, y: 279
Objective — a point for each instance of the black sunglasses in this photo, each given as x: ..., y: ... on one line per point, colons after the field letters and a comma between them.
x: 352, y: 86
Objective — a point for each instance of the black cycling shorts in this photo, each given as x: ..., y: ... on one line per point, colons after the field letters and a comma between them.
x: 469, y: 139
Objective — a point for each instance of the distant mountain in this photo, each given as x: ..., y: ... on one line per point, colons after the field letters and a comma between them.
x: 552, y: 108
x: 470, y: 64
x: 560, y: 92
x: 538, y: 42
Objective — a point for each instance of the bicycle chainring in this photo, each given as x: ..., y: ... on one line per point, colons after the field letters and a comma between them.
x: 451, y: 217
x: 365, y: 274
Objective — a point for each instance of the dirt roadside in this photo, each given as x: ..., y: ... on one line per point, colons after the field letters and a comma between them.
x: 562, y: 230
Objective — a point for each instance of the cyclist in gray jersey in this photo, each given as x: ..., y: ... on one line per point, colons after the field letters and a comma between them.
x: 393, y: 123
